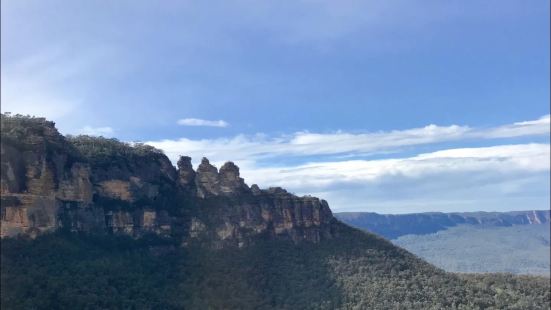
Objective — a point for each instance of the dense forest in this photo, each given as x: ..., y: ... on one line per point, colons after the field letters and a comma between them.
x: 519, y: 249
x: 354, y: 271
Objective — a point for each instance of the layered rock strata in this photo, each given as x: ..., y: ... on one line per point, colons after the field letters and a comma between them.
x: 49, y: 182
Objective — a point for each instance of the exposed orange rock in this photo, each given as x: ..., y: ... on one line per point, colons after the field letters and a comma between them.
x: 101, y: 185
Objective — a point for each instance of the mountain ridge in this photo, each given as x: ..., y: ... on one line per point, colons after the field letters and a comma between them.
x: 392, y: 226
x: 95, y: 184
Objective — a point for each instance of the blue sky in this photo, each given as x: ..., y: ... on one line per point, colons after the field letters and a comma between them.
x: 385, y: 106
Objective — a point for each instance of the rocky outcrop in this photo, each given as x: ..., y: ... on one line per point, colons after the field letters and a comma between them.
x: 230, y: 182
x: 281, y: 215
x: 139, y: 222
x: 210, y: 182
x: 40, y: 172
x: 207, y: 179
x: 186, y: 174
x: 229, y: 212
x: 91, y: 184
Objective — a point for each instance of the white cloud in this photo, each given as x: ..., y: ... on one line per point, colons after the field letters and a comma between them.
x: 503, y: 177
x: 202, y: 122
x: 96, y: 131
x: 253, y: 148
x: 533, y: 127
x: 318, y: 175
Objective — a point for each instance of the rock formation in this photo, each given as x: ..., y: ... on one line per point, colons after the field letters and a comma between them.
x: 91, y: 184
x: 186, y: 174
x: 207, y: 179
x: 230, y: 182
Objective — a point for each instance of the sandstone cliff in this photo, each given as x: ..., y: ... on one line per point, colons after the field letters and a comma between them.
x: 92, y: 184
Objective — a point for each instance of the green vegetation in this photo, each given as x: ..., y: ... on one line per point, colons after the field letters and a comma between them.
x: 520, y: 249
x: 110, y: 158
x: 18, y: 130
x: 10, y: 121
x: 101, y: 151
x: 353, y: 271
x: 27, y: 133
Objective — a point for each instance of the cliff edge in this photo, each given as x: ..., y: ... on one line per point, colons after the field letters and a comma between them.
x: 93, y: 184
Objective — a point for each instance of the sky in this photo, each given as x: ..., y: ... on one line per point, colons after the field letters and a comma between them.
x: 381, y: 106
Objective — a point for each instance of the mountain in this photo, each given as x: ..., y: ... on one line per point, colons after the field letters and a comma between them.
x: 102, y: 185
x: 91, y: 222
x: 516, y: 242
x: 392, y: 226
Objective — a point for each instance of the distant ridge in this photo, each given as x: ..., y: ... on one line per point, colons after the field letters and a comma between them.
x: 392, y: 226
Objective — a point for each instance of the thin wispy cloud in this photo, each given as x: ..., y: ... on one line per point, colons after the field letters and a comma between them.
x: 454, y: 179
x: 96, y: 131
x: 533, y: 127
x: 202, y: 122
x: 31, y: 85
x: 317, y: 176
x: 53, y: 83
x: 257, y: 147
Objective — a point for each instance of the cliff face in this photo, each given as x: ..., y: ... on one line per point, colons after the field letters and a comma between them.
x: 40, y: 174
x: 228, y: 211
x: 50, y: 182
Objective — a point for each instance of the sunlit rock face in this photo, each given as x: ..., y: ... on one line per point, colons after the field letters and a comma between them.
x: 89, y: 184
x: 40, y: 174
x: 186, y: 174
x: 230, y: 212
x: 230, y: 182
x: 207, y: 179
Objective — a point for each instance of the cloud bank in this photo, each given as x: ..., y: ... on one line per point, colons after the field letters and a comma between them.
x: 96, y: 131
x: 498, y: 177
x: 472, y: 179
x: 243, y: 148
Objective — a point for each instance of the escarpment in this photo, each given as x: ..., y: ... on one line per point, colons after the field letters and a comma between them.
x: 93, y: 184
x: 231, y: 212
